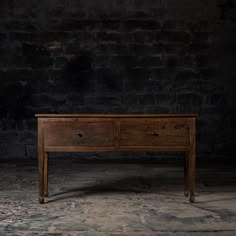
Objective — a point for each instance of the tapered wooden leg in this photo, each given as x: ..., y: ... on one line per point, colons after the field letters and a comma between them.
x: 192, y: 157
x: 186, y: 184
x: 41, y: 179
x: 45, y: 174
x: 40, y: 161
x: 191, y: 176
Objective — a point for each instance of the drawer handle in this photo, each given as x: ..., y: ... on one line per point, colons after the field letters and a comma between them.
x: 79, y: 133
x: 154, y: 133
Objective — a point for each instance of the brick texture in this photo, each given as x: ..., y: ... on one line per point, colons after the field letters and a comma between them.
x: 121, y: 56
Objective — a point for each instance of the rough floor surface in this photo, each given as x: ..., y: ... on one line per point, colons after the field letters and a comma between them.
x: 116, y: 199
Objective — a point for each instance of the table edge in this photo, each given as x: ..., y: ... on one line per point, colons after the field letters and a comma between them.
x: 116, y: 115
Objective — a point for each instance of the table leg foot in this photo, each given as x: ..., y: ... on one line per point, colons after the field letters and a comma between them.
x: 191, y: 198
x: 41, y: 200
x: 186, y: 193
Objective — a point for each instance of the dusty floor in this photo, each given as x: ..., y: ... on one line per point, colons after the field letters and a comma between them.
x: 117, y: 199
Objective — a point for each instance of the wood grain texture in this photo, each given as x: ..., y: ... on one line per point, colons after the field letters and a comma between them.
x: 45, y: 191
x: 66, y: 133
x: 117, y: 132
x: 114, y: 148
x: 192, y: 160
x: 115, y: 115
x: 154, y: 132
x: 41, y: 160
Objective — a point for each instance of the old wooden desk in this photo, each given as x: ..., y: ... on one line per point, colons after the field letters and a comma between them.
x: 116, y: 132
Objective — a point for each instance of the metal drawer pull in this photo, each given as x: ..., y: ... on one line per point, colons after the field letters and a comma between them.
x: 154, y: 133
x: 79, y: 134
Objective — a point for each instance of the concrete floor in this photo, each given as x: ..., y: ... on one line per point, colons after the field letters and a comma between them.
x: 116, y: 199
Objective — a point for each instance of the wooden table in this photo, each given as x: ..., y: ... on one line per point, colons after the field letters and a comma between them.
x: 116, y: 132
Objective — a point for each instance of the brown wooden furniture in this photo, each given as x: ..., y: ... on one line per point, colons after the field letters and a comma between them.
x: 116, y: 132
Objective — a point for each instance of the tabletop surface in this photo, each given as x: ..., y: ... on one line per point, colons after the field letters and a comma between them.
x: 117, y: 115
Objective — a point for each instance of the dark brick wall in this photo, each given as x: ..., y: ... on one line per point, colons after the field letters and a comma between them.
x: 117, y: 56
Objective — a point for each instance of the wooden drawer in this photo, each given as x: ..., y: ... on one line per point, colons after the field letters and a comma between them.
x: 159, y: 132
x: 71, y: 133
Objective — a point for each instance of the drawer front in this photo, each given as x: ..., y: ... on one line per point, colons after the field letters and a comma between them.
x: 65, y: 133
x: 154, y: 133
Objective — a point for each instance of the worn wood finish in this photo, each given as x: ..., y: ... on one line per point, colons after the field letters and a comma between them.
x: 41, y: 160
x: 154, y: 132
x: 115, y: 115
x: 117, y: 132
x: 192, y: 160
x: 78, y: 133
x: 45, y: 191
